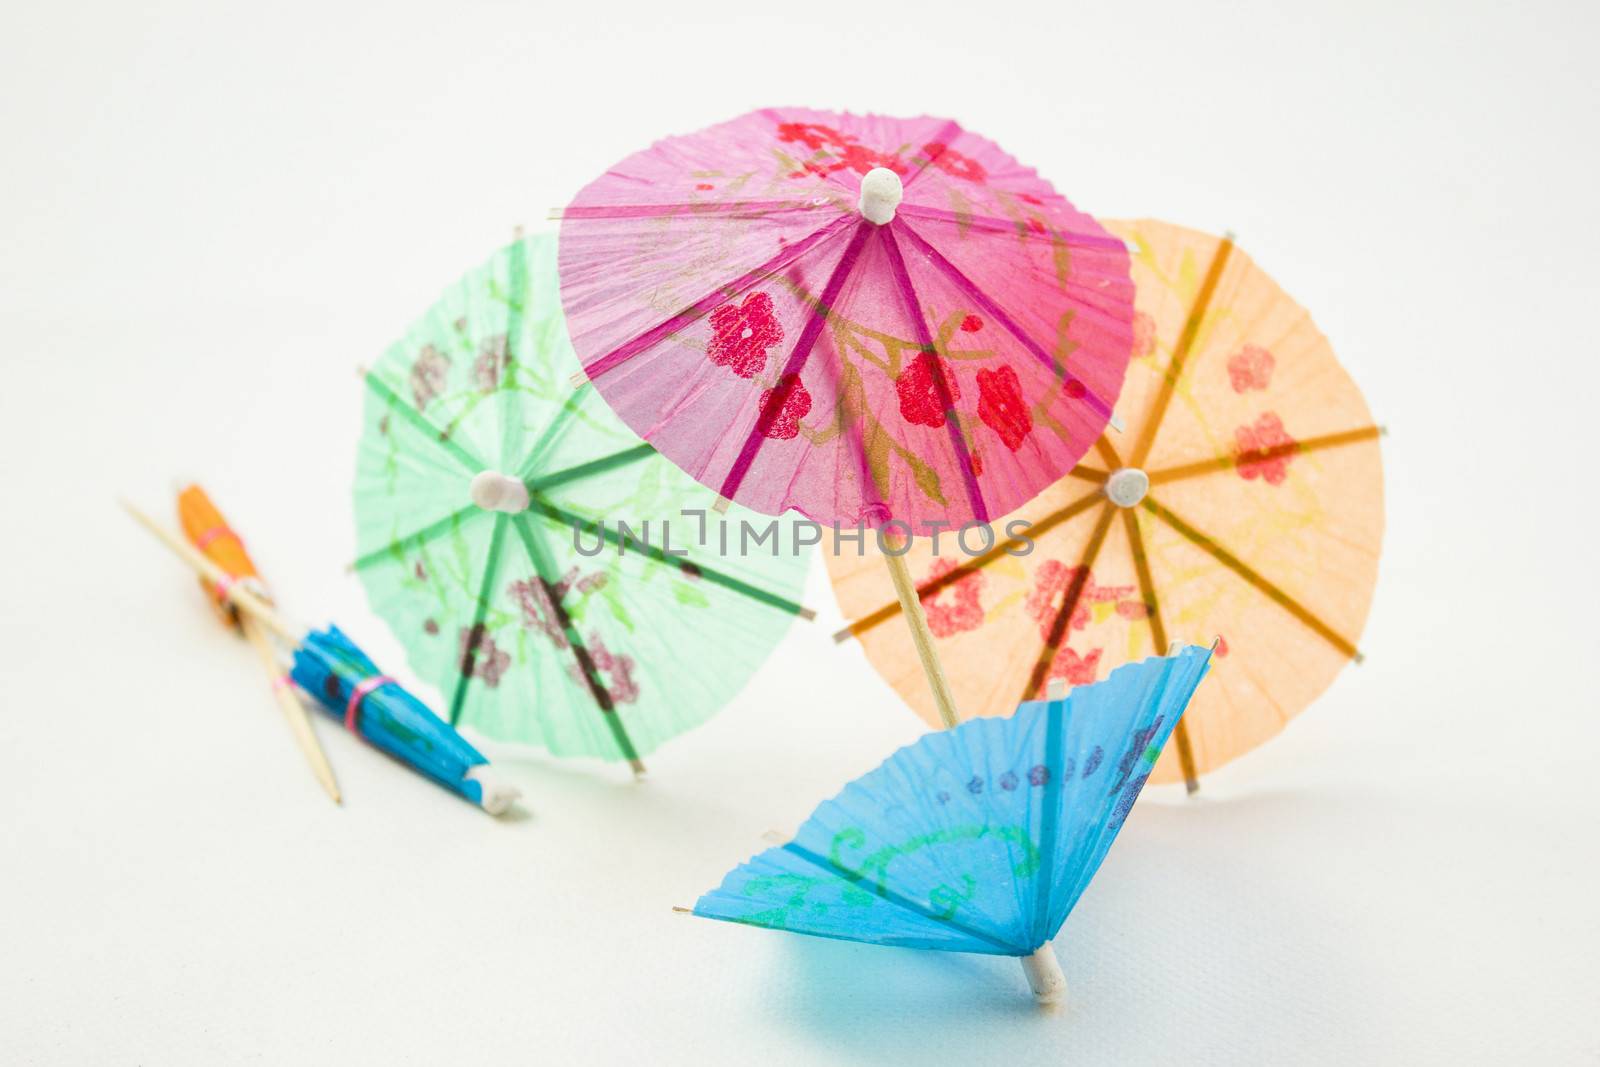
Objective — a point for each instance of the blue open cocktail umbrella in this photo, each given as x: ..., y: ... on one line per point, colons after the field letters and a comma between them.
x: 980, y: 838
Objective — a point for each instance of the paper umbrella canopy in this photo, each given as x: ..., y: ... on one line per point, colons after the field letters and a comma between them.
x: 980, y: 838
x: 329, y: 667
x: 856, y: 317
x: 1243, y: 501
x: 488, y: 495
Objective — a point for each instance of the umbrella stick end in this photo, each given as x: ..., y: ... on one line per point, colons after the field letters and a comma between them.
x: 497, y: 794
x: 638, y: 767
x: 1049, y: 985
x: 679, y: 909
x: 808, y: 614
x: 841, y: 636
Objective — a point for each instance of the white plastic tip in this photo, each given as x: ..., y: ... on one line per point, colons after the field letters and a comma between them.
x: 1049, y: 985
x: 880, y: 195
x: 1056, y: 689
x: 493, y: 491
x: 1126, y: 487
x: 498, y: 796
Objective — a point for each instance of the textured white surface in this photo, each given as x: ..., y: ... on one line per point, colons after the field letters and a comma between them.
x: 213, y: 214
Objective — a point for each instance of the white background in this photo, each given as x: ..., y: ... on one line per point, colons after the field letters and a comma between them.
x: 210, y: 214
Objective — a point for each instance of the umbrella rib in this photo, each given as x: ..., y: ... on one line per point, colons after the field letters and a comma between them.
x: 970, y: 289
x: 1180, y: 352
x: 945, y: 135
x: 933, y: 586
x: 1071, y: 238
x: 569, y: 409
x: 682, y: 563
x: 420, y: 422
x: 1069, y: 603
x: 1108, y: 452
x: 594, y: 466
x: 885, y: 893
x: 1252, y: 577
x: 1222, y: 463
x: 417, y: 537
x: 475, y: 633
x: 796, y: 362
x: 697, y: 310
x: 1158, y: 633
x: 580, y: 651
x: 1055, y: 748
x: 1089, y: 474
x: 902, y: 277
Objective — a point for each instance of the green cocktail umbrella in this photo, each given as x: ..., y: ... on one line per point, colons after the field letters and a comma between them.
x: 560, y: 582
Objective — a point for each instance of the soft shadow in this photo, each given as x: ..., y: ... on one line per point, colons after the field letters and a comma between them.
x: 1205, y: 910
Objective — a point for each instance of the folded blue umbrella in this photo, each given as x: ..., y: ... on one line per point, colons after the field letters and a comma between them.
x: 347, y: 684
x: 976, y: 839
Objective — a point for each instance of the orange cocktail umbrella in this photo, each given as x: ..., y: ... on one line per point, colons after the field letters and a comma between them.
x: 209, y: 532
x: 1243, y: 502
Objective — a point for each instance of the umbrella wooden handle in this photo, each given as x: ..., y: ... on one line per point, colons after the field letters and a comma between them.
x: 294, y: 712
x: 237, y: 593
x: 921, y: 636
x: 1049, y: 985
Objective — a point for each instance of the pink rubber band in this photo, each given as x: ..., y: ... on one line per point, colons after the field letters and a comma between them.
x: 360, y: 694
x: 282, y: 681
x: 224, y: 584
x: 203, y: 539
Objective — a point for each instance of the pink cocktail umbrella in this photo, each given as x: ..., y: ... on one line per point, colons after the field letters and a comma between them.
x: 858, y: 317
x: 876, y: 321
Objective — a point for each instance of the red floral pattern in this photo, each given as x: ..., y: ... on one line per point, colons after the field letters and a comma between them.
x: 480, y: 658
x: 918, y: 389
x: 1051, y: 584
x: 536, y: 600
x: 848, y: 153
x: 965, y: 610
x: 811, y: 134
x: 624, y: 688
x: 1250, y: 368
x: 538, y: 610
x: 494, y: 356
x: 428, y: 374
x: 1001, y: 408
x: 742, y: 333
x: 782, y: 408
x: 1144, y: 335
x: 954, y: 163
x: 1076, y: 669
x: 1263, y: 450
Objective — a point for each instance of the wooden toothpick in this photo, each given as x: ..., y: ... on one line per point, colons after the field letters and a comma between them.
x: 294, y: 712
x: 237, y: 593
x: 921, y: 637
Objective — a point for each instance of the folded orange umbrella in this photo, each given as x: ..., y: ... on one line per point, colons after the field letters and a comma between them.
x: 1243, y: 502
x: 208, y: 531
